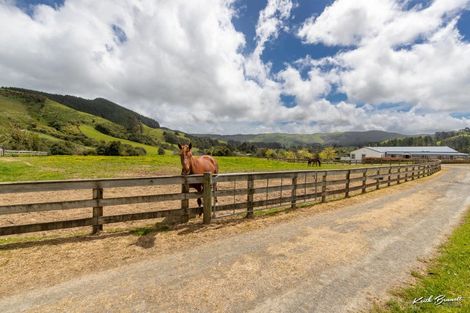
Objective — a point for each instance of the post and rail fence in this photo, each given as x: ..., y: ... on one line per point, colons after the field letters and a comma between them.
x: 262, y: 190
x: 4, y: 152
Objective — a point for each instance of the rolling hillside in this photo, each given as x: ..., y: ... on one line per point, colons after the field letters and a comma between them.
x: 98, y: 107
x: 32, y: 121
x: 351, y: 138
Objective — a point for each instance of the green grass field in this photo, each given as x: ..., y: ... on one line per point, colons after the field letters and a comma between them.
x: 447, y: 275
x: 71, y: 167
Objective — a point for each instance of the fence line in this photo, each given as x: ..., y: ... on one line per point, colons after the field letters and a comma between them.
x: 351, y: 161
x: 22, y: 152
x: 302, y: 186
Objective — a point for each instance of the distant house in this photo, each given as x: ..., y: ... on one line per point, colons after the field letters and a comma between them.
x: 435, y: 152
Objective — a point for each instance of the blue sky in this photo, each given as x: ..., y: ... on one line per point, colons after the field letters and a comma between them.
x: 287, y: 47
x: 251, y: 66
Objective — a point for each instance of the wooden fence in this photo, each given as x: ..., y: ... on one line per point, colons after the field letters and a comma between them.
x: 21, y: 152
x: 258, y: 190
x: 389, y: 161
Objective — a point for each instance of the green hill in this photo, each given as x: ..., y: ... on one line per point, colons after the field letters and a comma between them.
x: 33, y: 121
x: 350, y: 138
x: 99, y: 107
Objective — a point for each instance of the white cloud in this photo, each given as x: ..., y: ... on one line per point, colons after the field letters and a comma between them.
x: 316, y: 85
x: 179, y: 56
x: 414, y: 56
x: 182, y: 63
x: 272, y: 19
x: 348, y: 22
x: 433, y: 75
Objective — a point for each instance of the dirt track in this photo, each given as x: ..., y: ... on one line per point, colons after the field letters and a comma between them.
x: 338, y: 260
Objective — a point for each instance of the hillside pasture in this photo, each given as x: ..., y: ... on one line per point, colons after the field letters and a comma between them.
x: 92, y: 133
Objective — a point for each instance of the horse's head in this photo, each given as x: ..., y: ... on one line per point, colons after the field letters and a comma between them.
x: 186, y: 155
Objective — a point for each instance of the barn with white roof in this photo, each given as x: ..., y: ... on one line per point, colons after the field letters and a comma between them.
x: 434, y: 152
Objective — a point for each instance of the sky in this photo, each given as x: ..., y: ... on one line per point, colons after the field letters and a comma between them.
x: 250, y: 66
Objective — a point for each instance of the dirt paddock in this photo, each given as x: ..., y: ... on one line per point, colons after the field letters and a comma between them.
x: 47, y: 258
x: 70, y: 195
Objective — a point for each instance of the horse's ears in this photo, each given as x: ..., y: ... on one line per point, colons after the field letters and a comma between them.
x: 190, y: 145
x: 179, y: 146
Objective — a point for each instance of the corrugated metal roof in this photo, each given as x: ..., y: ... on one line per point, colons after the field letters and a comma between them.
x: 417, y: 150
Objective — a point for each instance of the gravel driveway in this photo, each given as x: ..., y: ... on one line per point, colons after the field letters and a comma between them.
x: 334, y: 261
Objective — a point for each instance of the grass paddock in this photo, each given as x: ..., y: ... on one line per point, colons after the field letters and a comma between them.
x: 14, y: 169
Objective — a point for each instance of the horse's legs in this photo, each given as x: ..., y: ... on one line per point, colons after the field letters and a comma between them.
x: 199, y: 201
x: 199, y: 206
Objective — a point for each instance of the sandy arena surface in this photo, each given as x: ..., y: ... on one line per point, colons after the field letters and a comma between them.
x: 334, y: 257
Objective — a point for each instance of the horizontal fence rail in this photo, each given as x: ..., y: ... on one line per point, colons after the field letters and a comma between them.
x: 240, y: 193
x: 22, y: 152
x: 369, y: 161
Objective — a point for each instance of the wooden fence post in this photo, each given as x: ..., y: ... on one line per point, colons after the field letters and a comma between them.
x: 377, y: 184
x: 398, y: 176
x: 207, y: 197
x: 323, y: 188
x: 406, y: 173
x: 413, y: 173
x: 389, y: 176
x: 348, y: 177
x: 364, y: 181
x: 97, y: 209
x: 250, y: 196
x: 185, y: 202
x: 293, y: 202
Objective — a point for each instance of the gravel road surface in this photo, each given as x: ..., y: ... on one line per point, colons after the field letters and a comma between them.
x: 334, y: 261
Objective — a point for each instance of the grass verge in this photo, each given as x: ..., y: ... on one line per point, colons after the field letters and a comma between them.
x: 448, y: 275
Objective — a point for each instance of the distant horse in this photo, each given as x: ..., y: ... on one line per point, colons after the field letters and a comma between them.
x: 193, y: 165
x: 313, y: 161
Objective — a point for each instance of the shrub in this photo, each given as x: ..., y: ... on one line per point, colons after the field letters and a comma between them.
x: 161, y: 151
x: 133, y: 151
x: 270, y: 154
x: 220, y: 151
x: 329, y: 153
x: 170, y: 137
x: 145, y: 139
x: 117, y: 148
x: 62, y: 148
x: 114, y: 148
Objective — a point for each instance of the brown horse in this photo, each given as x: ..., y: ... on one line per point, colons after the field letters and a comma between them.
x: 313, y: 161
x: 193, y: 165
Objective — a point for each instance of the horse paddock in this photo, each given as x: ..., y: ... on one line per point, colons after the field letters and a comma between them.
x: 38, y: 264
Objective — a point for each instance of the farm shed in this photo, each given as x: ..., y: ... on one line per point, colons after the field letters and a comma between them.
x: 435, y: 152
